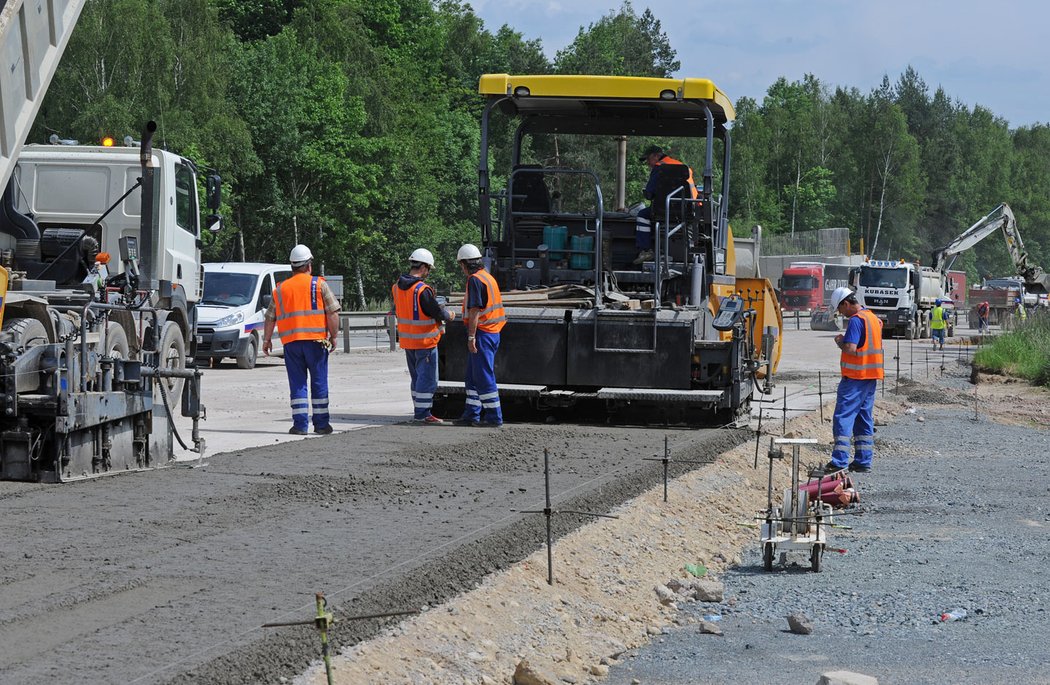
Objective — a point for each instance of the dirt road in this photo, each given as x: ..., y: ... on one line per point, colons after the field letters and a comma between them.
x: 168, y: 575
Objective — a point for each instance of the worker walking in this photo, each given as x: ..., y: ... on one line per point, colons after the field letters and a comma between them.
x: 306, y: 315
x: 420, y: 323
x: 861, y: 364
x: 484, y: 318
x: 1022, y: 315
x: 938, y: 325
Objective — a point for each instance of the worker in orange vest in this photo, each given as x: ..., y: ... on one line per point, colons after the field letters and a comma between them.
x: 420, y: 322
x: 861, y: 364
x: 484, y: 318
x: 306, y: 315
x: 653, y: 156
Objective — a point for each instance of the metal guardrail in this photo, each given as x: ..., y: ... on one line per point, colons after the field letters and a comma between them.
x: 367, y: 321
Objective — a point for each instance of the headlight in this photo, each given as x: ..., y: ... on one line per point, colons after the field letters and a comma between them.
x: 230, y: 319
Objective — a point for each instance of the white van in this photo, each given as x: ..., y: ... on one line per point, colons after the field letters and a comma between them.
x: 231, y: 314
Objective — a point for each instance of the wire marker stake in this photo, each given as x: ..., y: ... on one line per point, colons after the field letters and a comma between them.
x: 324, y: 620
x: 667, y: 460
x: 758, y: 436
x: 549, y: 513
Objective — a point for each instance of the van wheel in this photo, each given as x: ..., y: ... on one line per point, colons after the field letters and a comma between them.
x: 251, y: 354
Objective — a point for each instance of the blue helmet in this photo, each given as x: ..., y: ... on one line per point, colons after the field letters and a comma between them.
x: 938, y: 302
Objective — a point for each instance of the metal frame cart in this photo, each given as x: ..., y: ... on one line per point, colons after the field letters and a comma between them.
x: 797, y: 524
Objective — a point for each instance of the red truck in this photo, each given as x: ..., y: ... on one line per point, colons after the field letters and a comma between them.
x: 806, y: 286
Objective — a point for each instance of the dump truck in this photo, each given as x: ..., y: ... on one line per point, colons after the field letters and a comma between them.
x: 686, y: 336
x: 98, y: 285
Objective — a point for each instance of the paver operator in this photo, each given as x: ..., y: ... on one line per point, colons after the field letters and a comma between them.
x: 484, y: 318
x: 653, y: 156
x: 938, y: 325
x: 420, y: 322
x: 861, y: 363
x: 306, y: 314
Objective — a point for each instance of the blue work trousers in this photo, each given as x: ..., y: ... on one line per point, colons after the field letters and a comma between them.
x: 643, y: 229
x: 482, y: 395
x: 423, y: 368
x: 303, y: 358
x: 854, y: 409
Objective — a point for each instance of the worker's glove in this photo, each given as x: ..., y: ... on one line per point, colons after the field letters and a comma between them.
x: 327, y: 344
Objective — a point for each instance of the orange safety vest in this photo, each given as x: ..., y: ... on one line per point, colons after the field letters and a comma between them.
x: 867, y: 362
x: 692, y: 184
x: 492, y: 317
x: 300, y: 309
x: 415, y: 330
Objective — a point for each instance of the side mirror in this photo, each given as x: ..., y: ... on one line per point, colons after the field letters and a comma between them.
x: 213, y: 191
x: 265, y: 301
x: 213, y: 223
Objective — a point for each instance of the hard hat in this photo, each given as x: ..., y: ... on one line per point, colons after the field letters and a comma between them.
x: 468, y: 251
x: 1017, y: 300
x: 840, y: 294
x: 300, y: 255
x: 938, y: 301
x: 423, y: 256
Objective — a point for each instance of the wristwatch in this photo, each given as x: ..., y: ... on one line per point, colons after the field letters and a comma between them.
x: 470, y: 337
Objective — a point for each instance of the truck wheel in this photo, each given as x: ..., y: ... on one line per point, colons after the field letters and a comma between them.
x: 117, y: 342
x: 171, y: 355
x: 26, y: 332
x: 251, y: 354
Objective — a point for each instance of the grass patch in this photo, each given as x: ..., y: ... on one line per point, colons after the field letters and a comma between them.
x: 1024, y: 352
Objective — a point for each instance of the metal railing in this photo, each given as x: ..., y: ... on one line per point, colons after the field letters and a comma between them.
x: 367, y: 321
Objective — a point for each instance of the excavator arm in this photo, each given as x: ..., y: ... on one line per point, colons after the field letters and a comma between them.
x: 1002, y: 218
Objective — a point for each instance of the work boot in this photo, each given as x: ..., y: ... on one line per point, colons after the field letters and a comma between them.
x: 296, y: 431
x: 859, y: 468
x: 832, y: 467
x: 327, y: 430
x: 643, y: 257
x: 461, y: 421
x: 431, y: 420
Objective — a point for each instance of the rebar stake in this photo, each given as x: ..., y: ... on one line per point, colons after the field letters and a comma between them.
x: 758, y: 437
x: 326, y: 619
x: 897, y: 389
x: 783, y: 430
x: 549, y: 513
x: 975, y: 417
x: 667, y: 460
x: 820, y: 398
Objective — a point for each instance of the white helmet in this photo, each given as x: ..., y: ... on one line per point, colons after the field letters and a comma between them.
x: 300, y: 255
x: 468, y: 251
x: 840, y: 294
x: 423, y: 256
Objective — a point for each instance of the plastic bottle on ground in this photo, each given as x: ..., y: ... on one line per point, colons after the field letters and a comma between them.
x: 953, y: 615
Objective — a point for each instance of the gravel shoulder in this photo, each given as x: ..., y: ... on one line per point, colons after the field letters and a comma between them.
x: 956, y: 514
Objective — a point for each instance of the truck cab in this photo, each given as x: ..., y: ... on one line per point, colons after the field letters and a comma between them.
x: 801, y: 287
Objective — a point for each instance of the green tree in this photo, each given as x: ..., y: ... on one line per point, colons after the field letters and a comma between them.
x: 620, y: 44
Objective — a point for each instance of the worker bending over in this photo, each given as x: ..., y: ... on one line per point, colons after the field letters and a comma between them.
x: 861, y: 364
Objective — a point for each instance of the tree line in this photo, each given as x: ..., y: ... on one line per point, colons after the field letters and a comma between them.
x: 353, y: 126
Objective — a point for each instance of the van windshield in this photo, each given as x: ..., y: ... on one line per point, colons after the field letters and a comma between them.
x: 228, y: 289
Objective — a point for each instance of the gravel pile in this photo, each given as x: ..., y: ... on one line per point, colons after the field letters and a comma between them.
x: 955, y: 515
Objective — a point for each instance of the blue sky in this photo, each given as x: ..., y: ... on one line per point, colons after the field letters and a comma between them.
x: 995, y: 54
